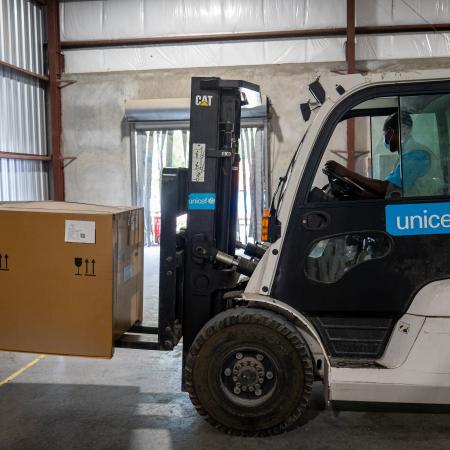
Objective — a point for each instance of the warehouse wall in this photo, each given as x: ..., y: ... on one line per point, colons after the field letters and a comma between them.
x: 104, y: 19
x: 94, y: 128
x: 96, y: 132
x: 22, y: 101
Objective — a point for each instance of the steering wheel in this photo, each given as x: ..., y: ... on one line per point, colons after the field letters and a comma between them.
x: 342, y: 186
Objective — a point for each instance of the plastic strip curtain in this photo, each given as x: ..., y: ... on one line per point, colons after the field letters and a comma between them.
x: 158, y: 148
x: 155, y: 149
x: 251, y: 184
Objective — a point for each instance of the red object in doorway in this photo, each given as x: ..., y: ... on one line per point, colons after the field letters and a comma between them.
x: 157, y: 229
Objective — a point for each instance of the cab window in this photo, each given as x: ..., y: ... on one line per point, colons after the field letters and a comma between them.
x: 424, y: 123
x: 391, y: 147
x: 330, y: 259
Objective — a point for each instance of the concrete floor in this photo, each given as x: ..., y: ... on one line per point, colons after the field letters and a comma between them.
x: 134, y: 402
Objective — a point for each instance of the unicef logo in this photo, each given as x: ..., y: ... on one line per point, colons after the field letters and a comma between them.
x: 202, y: 201
x: 418, y: 218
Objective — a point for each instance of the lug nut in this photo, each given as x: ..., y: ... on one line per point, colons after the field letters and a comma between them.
x: 244, y: 388
x: 236, y: 390
x: 258, y: 392
x: 269, y: 375
x: 259, y: 357
x: 257, y: 386
x: 261, y: 380
x: 239, y: 355
x: 235, y: 378
x: 251, y: 388
x: 227, y: 372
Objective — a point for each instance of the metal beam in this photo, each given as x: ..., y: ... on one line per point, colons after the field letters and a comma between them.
x: 395, y: 29
x: 24, y: 156
x: 350, y: 57
x: 54, y: 70
x: 350, y: 45
x: 18, y: 69
x: 159, y: 40
x: 254, y: 36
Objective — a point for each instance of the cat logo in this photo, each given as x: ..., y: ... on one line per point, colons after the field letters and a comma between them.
x: 203, y: 100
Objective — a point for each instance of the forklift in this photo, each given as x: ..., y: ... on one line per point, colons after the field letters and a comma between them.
x: 349, y: 288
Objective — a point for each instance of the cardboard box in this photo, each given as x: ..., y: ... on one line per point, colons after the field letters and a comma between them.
x: 71, y: 276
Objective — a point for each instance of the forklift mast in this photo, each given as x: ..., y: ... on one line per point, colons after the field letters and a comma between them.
x: 192, y: 280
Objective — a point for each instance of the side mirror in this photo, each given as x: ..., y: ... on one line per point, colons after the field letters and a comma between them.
x: 305, y: 110
x: 317, y: 91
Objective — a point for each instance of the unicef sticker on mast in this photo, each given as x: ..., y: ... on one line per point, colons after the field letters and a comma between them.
x: 418, y: 218
x: 202, y: 201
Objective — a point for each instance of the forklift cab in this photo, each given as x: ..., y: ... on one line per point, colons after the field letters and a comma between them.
x: 354, y: 261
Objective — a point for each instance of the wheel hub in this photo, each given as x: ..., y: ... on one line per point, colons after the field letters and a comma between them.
x: 248, y: 376
x: 249, y: 373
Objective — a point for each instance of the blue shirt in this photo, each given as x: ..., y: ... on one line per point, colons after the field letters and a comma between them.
x: 414, y: 164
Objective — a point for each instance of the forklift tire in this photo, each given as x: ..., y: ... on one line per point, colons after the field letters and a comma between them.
x: 250, y: 373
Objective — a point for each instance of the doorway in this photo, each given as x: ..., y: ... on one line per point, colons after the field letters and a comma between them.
x: 158, y: 145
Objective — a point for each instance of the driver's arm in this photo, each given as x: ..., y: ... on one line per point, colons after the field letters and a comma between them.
x: 378, y: 187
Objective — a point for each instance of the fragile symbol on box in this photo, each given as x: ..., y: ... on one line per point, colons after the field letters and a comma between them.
x: 89, y: 267
x: 4, y: 262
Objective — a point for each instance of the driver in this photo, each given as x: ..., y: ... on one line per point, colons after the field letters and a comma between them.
x: 415, y: 162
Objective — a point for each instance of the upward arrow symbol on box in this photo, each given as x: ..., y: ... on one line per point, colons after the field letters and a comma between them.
x: 6, y: 262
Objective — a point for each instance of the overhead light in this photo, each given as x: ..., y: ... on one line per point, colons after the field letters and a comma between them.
x: 253, y: 98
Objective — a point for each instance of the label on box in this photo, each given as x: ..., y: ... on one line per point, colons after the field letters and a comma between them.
x: 80, y: 231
